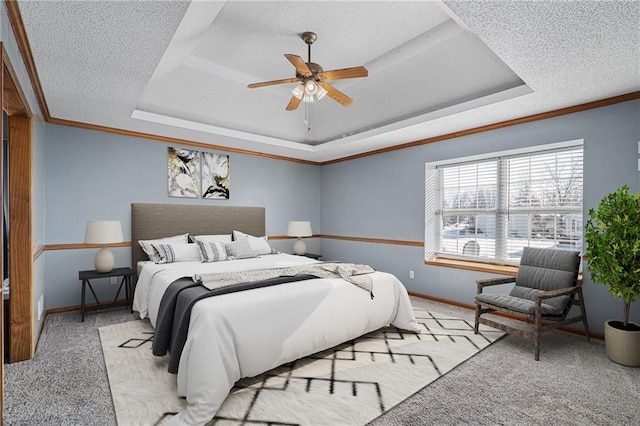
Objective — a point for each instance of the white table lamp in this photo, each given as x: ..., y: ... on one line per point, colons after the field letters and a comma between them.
x: 103, y: 232
x: 299, y: 229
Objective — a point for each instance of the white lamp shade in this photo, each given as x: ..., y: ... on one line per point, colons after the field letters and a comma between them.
x: 103, y: 232
x: 299, y: 228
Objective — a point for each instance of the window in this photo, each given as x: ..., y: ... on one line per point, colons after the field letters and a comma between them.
x: 489, y: 209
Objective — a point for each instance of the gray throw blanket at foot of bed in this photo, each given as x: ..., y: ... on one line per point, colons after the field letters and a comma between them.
x: 174, y: 313
x: 355, y: 274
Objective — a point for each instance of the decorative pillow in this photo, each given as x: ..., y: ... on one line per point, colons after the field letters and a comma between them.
x: 212, y: 251
x: 240, y: 249
x: 170, y: 252
x: 146, y: 244
x: 223, y: 238
x: 237, y: 235
x: 259, y: 245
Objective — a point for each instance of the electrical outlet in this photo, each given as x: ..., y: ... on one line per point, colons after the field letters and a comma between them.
x: 411, y: 274
x: 114, y: 280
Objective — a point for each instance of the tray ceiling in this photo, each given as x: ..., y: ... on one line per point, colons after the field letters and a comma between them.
x: 180, y: 69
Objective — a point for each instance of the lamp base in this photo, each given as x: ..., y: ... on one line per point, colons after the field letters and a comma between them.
x: 299, y: 247
x: 104, y: 260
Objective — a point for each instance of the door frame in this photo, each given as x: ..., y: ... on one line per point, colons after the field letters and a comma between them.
x: 21, y: 250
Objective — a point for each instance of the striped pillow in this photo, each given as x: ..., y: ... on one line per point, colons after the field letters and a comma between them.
x: 171, y: 252
x: 212, y: 251
x: 151, y: 253
x: 164, y: 253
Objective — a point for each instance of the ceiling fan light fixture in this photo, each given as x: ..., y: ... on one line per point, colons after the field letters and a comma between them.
x: 310, y: 87
x: 298, y: 91
x: 321, y: 93
x: 309, y: 91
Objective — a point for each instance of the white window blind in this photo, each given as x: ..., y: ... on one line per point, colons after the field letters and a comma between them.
x: 492, y: 208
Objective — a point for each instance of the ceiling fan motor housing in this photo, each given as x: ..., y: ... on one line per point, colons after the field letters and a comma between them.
x: 314, y: 68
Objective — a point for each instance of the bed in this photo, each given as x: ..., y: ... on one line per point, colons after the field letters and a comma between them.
x: 246, y: 333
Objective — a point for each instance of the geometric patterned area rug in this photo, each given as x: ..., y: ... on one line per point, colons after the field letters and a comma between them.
x: 350, y: 384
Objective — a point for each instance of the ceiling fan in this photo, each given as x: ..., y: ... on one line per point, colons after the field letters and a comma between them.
x: 313, y: 79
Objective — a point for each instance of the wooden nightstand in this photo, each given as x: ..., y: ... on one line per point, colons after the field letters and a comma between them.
x: 85, y: 276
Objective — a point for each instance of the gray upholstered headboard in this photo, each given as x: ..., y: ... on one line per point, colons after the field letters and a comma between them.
x: 151, y: 221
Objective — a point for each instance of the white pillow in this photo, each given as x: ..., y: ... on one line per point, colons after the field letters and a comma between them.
x: 212, y: 251
x: 259, y: 245
x: 146, y: 244
x: 237, y: 235
x: 223, y: 238
x: 172, y: 252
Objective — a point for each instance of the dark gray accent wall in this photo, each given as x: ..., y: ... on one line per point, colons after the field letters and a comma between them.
x: 383, y: 196
x: 97, y: 175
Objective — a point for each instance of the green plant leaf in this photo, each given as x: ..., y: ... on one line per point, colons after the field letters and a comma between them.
x: 612, y: 237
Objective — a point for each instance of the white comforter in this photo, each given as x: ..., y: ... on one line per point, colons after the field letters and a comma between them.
x: 247, y: 333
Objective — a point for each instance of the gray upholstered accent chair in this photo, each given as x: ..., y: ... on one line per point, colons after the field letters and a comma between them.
x: 546, y: 288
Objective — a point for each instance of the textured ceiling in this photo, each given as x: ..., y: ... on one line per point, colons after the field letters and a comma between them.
x: 180, y: 69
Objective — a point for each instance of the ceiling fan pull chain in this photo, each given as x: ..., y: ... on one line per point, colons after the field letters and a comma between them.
x: 307, y: 116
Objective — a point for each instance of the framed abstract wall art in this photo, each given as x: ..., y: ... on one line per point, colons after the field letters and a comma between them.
x: 215, y: 176
x: 183, y: 171
x: 195, y: 174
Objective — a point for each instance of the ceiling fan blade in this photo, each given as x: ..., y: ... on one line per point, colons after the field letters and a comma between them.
x: 354, y: 72
x: 335, y: 94
x: 293, y: 104
x: 272, y: 83
x: 299, y: 63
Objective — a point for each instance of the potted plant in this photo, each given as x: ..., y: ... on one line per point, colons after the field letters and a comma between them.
x: 612, y: 235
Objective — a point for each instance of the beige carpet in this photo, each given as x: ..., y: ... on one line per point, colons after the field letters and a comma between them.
x: 347, y: 385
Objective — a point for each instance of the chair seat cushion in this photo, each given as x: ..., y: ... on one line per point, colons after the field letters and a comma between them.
x: 517, y: 304
x: 557, y: 303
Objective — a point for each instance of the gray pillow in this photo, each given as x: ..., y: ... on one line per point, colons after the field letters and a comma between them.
x: 240, y: 249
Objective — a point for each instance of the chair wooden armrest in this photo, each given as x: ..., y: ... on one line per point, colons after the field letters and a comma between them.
x: 555, y: 293
x: 493, y: 281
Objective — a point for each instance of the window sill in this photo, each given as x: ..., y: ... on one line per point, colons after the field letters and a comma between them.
x: 474, y: 266
x: 479, y: 267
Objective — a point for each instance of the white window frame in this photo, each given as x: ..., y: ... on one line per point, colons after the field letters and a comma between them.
x: 432, y: 196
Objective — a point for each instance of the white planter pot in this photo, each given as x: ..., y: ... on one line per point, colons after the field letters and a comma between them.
x: 623, y: 346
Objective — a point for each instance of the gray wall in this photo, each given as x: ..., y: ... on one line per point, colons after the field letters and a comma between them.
x: 382, y: 196
x: 96, y: 175
x: 39, y: 220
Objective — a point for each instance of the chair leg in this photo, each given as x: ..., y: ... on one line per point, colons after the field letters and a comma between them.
x: 583, y: 313
x: 536, y: 336
x: 477, y: 324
